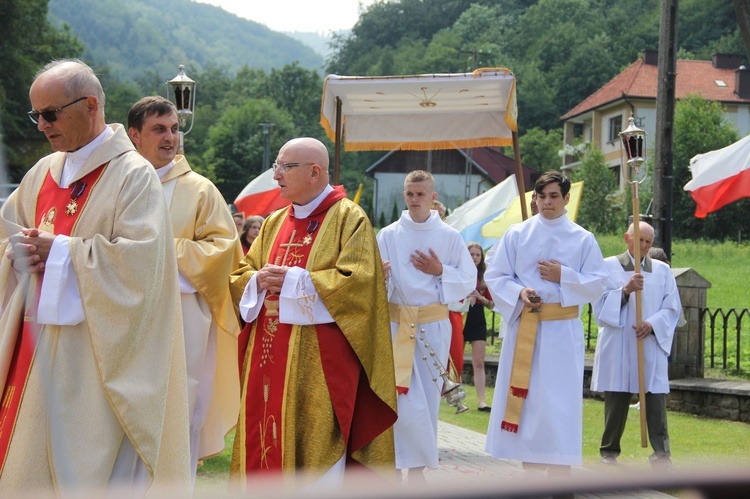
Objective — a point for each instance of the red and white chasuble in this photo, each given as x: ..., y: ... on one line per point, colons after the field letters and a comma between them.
x: 57, y: 213
x: 273, y: 356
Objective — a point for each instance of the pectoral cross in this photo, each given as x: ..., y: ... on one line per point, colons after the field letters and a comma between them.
x: 287, y: 246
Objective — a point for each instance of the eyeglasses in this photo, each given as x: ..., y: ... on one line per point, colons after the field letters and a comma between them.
x: 285, y: 166
x: 51, y: 115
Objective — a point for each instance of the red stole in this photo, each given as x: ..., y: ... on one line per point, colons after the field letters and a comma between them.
x: 269, y: 350
x: 57, y: 212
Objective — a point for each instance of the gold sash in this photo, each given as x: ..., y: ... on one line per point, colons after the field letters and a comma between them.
x: 520, y: 373
x: 408, y: 318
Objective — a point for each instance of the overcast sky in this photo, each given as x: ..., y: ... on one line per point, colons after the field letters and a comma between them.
x: 320, y: 16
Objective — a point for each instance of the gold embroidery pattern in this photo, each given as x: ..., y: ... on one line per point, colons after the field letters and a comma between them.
x: 306, y: 300
x: 269, y: 332
x: 263, y: 426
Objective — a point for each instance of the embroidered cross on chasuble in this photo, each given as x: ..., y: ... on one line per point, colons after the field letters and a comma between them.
x: 269, y: 346
x: 52, y: 217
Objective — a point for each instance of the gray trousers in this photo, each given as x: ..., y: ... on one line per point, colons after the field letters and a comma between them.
x: 616, y: 406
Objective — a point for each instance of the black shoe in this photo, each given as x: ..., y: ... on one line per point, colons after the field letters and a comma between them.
x: 485, y: 409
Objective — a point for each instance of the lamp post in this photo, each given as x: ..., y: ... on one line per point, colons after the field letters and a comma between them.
x: 633, y: 157
x: 266, y: 145
x: 183, y: 96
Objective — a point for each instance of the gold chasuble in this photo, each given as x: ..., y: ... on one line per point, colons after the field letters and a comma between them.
x: 312, y: 394
x: 208, y: 249
x: 117, y: 376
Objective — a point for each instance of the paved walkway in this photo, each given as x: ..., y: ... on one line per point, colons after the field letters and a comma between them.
x: 464, y: 463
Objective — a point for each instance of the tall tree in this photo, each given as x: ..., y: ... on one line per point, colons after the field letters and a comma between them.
x: 602, y: 209
x: 28, y: 42
x: 539, y: 149
x: 235, y: 144
x: 700, y: 126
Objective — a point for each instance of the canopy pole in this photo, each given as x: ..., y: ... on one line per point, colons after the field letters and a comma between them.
x: 337, y: 144
x: 519, y: 177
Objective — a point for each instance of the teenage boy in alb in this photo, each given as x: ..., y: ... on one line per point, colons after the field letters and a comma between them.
x: 428, y: 266
x: 541, y: 273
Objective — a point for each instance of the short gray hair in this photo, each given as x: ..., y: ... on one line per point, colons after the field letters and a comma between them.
x: 80, y: 79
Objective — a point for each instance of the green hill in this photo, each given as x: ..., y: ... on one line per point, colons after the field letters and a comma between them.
x: 140, y: 37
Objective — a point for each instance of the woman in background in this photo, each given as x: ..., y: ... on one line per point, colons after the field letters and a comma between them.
x: 475, y: 328
x: 250, y: 230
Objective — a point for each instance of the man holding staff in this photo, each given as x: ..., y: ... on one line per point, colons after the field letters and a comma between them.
x: 616, y: 363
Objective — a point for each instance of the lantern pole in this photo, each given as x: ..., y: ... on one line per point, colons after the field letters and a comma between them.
x: 633, y: 155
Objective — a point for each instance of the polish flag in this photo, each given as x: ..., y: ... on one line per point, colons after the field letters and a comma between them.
x: 261, y: 196
x: 720, y: 177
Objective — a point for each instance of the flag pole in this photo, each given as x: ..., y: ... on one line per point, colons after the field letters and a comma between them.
x: 633, y: 155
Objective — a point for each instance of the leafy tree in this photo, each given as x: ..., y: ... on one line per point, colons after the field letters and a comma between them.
x: 29, y: 41
x: 601, y: 209
x: 700, y: 126
x: 235, y: 144
x: 539, y: 149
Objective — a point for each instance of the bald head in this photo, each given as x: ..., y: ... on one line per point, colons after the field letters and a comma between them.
x: 69, y: 102
x: 312, y: 149
x: 645, y: 229
x: 302, y: 182
x: 646, y: 238
x: 77, y: 78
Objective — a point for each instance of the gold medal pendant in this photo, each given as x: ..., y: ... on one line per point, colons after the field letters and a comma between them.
x: 71, y: 208
x: 76, y: 191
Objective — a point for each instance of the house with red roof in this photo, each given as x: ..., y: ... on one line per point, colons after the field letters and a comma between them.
x: 601, y: 116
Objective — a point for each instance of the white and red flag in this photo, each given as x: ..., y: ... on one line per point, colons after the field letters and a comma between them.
x: 261, y: 196
x: 720, y: 177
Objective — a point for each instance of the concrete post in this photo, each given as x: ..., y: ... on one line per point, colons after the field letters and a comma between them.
x: 688, y: 347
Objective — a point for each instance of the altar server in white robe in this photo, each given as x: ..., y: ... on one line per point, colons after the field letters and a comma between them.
x: 428, y: 266
x: 540, y: 274
x: 616, y: 361
x: 208, y: 250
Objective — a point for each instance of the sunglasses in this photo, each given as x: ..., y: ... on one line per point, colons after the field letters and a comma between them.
x: 51, y: 115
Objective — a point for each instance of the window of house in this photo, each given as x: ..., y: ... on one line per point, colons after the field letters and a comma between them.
x: 577, y: 130
x: 616, y: 172
x: 615, y: 127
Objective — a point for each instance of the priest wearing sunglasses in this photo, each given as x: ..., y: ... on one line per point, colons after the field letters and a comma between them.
x: 92, y: 362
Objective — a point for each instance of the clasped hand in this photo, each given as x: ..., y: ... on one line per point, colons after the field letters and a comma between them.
x: 271, y: 278
x: 429, y: 264
x: 550, y: 270
x: 30, y: 249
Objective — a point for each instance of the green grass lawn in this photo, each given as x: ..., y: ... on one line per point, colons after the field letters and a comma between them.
x: 694, y: 439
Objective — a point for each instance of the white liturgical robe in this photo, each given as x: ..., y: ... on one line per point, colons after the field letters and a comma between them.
x: 550, y: 429
x: 616, y: 360
x: 415, y: 431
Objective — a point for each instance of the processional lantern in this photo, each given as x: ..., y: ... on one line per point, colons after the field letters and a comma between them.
x: 633, y: 152
x: 633, y: 156
x: 183, y: 96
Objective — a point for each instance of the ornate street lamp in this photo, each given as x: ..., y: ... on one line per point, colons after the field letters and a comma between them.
x: 633, y: 157
x: 183, y: 96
